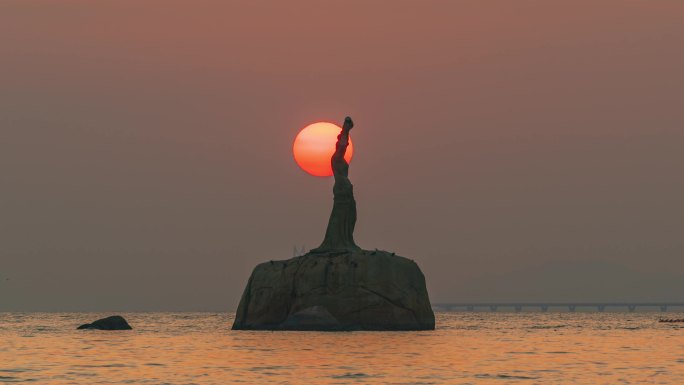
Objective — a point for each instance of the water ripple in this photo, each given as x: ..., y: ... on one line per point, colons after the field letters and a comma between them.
x: 466, y: 348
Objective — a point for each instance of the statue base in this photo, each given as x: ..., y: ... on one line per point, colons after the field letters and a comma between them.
x: 338, y: 290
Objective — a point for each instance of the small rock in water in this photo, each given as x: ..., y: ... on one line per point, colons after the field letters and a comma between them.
x: 115, y: 322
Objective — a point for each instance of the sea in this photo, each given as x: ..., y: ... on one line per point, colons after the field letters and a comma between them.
x: 466, y: 348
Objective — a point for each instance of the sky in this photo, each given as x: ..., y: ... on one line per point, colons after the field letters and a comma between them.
x: 517, y: 151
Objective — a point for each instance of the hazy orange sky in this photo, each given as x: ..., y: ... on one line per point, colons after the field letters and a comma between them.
x: 517, y: 150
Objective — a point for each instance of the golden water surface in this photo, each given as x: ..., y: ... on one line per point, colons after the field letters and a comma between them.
x: 466, y: 348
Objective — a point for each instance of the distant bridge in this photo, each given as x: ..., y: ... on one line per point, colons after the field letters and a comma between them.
x: 545, y: 306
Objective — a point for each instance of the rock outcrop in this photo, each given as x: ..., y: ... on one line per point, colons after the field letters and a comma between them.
x: 352, y: 290
x: 114, y: 322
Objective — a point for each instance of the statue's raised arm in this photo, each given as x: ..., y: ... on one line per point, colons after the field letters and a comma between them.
x: 343, y: 138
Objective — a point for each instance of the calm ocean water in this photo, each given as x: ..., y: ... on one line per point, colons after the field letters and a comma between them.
x: 466, y: 348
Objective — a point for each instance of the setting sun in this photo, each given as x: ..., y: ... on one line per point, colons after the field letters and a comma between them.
x: 314, y: 146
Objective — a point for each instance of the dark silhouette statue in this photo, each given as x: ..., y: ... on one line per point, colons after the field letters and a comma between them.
x: 339, y: 236
x: 337, y: 286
